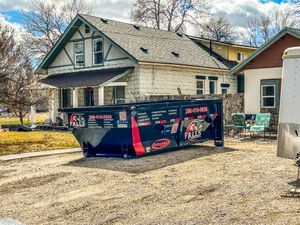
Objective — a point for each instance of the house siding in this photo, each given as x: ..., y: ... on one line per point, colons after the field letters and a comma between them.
x: 253, y: 84
x: 165, y: 80
x: 272, y: 57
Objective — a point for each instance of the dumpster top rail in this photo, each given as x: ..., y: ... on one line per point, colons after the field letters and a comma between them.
x: 139, y: 105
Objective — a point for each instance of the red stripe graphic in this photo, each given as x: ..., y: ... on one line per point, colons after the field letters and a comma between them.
x: 136, y: 138
x: 163, y: 121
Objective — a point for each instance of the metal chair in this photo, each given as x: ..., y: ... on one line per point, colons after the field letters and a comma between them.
x: 239, y: 122
x: 262, y: 123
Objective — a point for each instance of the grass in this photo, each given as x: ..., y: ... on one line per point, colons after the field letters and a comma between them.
x: 21, y: 142
x: 40, y: 118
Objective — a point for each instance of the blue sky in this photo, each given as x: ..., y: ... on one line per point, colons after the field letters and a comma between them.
x: 236, y: 11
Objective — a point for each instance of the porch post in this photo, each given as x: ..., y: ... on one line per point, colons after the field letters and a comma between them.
x: 101, y: 95
x: 54, y: 99
x: 75, y: 97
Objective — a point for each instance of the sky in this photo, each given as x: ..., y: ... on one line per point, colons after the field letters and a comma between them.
x: 236, y: 11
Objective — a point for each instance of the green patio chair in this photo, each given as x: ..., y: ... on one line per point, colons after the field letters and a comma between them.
x: 239, y: 122
x: 262, y: 123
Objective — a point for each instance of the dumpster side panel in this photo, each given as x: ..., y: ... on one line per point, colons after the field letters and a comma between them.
x: 102, y: 132
x: 141, y: 128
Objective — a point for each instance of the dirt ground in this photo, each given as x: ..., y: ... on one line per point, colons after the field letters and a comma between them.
x: 241, y: 183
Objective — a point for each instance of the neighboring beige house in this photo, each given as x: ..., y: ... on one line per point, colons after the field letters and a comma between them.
x: 98, y: 61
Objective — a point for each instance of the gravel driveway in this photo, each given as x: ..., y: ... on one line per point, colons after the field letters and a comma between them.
x: 241, y: 183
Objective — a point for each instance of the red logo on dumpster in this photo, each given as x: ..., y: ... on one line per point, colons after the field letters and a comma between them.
x: 161, y: 144
x: 194, y: 130
x: 77, y: 121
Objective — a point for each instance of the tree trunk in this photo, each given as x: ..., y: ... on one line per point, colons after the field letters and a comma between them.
x: 21, y: 120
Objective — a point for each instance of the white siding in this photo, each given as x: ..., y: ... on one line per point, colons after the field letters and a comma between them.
x: 164, y: 80
x: 115, y: 57
x: 253, y: 78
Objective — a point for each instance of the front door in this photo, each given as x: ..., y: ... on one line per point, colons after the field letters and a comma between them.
x: 89, y: 97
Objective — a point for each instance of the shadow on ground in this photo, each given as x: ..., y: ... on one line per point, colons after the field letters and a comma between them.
x: 150, y: 162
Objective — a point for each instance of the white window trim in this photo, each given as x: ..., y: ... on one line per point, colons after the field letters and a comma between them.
x: 268, y: 96
x: 93, y: 45
x: 216, y: 87
x: 203, y: 89
x: 77, y: 54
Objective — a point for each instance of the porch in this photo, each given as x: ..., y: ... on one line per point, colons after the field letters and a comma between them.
x: 87, y: 88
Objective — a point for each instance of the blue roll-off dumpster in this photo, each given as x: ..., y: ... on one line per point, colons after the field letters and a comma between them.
x: 137, y: 129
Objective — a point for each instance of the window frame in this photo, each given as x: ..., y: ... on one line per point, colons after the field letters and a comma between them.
x: 78, y: 54
x: 242, y: 56
x: 262, y: 97
x: 216, y: 89
x: 114, y: 95
x: 203, y: 89
x: 96, y: 52
x: 224, y: 88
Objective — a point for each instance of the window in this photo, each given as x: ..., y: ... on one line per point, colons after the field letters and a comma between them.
x: 89, y: 97
x: 268, y: 98
x: 119, y: 94
x: 98, y: 51
x: 87, y: 29
x: 200, y: 87
x: 224, y: 90
x: 240, y: 56
x: 79, y: 54
x: 270, y: 93
x: 212, y: 87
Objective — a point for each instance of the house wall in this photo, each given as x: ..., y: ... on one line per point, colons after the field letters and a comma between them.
x: 272, y: 57
x: 233, y: 50
x: 165, y: 80
x: 227, y: 51
x: 253, y: 79
x: 113, y: 56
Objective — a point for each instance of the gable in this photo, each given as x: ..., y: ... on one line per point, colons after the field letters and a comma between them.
x: 272, y: 56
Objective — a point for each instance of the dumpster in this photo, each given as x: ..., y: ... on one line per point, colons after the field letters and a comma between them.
x: 138, y: 129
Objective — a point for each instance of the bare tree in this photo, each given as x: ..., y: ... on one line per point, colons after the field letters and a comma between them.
x: 16, y: 74
x: 46, y: 21
x: 171, y: 15
x: 217, y: 28
x: 260, y: 30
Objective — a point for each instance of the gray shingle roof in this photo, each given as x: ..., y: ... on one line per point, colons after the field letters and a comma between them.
x: 160, y: 44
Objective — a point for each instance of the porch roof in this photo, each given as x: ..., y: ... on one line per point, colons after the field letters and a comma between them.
x: 89, y: 78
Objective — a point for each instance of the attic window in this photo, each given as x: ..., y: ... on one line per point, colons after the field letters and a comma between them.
x: 103, y: 20
x: 145, y: 50
x: 87, y: 29
x: 136, y: 27
x: 179, y: 34
x: 176, y: 54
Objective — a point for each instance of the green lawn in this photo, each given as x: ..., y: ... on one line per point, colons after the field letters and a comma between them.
x: 40, y: 118
x: 20, y: 142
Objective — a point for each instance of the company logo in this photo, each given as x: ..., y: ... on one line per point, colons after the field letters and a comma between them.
x: 77, y: 121
x: 160, y: 144
x: 195, y: 129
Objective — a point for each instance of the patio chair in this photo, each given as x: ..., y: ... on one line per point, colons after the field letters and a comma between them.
x: 239, y: 122
x: 262, y: 123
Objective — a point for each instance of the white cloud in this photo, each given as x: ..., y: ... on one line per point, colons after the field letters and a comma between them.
x: 13, y: 5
